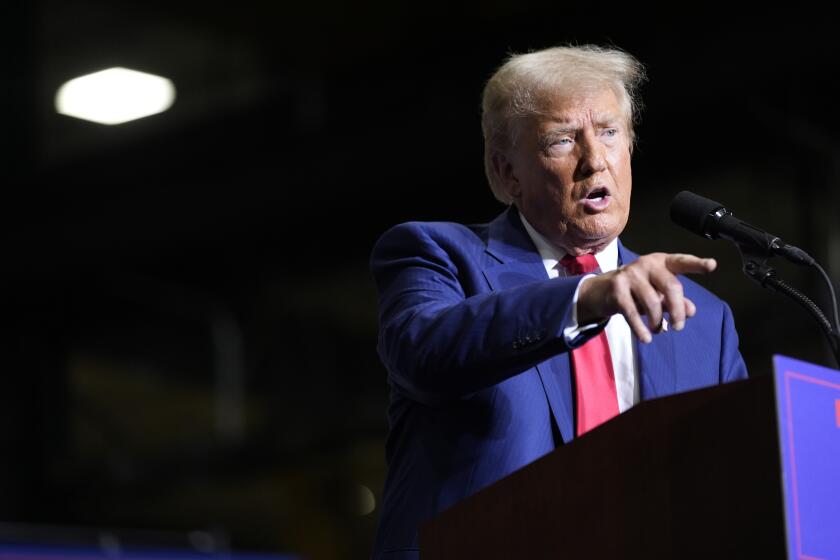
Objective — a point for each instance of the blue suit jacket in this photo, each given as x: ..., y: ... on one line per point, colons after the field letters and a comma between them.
x: 471, y: 336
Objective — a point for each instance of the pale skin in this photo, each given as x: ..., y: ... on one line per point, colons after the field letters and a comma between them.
x: 569, y: 174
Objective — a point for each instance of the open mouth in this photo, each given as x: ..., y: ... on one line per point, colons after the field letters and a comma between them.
x: 599, y: 193
x: 597, y: 200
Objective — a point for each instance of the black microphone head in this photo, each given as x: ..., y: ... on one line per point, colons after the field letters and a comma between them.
x: 692, y: 211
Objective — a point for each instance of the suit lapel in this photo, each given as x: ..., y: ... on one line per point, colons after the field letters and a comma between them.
x: 657, y: 360
x: 518, y: 262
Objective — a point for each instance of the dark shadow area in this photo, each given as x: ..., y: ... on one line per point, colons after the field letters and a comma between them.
x: 189, y: 323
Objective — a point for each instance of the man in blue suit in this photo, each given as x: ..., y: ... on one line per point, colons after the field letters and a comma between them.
x: 498, y: 349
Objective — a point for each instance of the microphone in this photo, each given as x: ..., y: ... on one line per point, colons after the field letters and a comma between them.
x: 713, y: 220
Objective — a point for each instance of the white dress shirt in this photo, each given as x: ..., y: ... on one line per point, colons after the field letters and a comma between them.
x: 619, y: 336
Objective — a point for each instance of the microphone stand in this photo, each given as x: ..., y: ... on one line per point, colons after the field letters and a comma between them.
x: 756, y: 268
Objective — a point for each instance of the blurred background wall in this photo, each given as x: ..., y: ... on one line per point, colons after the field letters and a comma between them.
x: 188, y: 323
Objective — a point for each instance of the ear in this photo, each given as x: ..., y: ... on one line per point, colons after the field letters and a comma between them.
x: 503, y: 169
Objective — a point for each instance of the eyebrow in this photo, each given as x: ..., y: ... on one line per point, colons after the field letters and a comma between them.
x: 571, y: 128
x: 565, y: 127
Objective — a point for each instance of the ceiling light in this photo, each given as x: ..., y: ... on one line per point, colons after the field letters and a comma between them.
x: 115, y: 96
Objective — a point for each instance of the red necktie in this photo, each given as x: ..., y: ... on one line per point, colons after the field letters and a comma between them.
x: 592, y: 366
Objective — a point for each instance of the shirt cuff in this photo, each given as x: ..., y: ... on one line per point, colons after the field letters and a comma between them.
x: 573, y: 333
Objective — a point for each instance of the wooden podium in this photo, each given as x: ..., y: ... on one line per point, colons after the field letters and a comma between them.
x: 745, y: 470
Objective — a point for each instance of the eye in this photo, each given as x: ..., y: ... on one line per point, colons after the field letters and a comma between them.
x: 610, y: 132
x: 560, y: 142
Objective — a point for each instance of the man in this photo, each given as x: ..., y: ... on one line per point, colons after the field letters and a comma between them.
x: 500, y: 344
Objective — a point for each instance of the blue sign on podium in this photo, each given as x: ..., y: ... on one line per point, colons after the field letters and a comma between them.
x: 808, y: 403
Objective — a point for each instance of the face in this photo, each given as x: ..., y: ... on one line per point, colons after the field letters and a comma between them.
x: 569, y: 173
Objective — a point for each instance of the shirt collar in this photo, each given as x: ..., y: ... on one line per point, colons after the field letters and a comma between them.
x: 551, y: 254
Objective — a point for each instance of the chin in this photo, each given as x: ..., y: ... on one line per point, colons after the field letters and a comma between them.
x: 602, y: 231
x: 591, y: 242
x: 598, y: 245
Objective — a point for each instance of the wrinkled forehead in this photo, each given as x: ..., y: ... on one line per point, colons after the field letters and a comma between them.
x: 566, y: 112
x: 606, y: 100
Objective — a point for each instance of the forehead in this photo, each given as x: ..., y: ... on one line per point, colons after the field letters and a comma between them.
x: 600, y: 106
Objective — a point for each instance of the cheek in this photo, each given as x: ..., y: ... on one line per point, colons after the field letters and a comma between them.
x: 560, y: 179
x: 622, y: 173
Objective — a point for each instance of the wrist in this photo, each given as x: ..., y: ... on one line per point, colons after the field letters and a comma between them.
x: 590, y: 306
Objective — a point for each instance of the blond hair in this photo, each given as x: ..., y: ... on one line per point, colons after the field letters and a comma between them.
x: 521, y: 86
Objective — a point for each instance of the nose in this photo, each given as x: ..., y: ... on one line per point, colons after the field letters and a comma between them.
x: 593, y: 157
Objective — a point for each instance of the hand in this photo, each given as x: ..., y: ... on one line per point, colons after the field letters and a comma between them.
x: 648, y: 286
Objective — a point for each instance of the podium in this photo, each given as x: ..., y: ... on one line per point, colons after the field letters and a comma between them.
x: 745, y: 470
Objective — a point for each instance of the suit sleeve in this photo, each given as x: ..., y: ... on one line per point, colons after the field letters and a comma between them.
x: 439, y: 342
x: 732, y: 367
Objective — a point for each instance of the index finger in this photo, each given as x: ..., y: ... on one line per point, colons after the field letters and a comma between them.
x: 689, y: 264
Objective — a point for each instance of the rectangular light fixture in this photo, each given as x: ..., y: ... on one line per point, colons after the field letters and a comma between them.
x: 115, y: 96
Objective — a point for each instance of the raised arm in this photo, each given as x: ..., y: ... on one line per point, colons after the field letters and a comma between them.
x: 443, y: 333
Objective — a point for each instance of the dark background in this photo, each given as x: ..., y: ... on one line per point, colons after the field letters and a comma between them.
x: 188, y: 323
